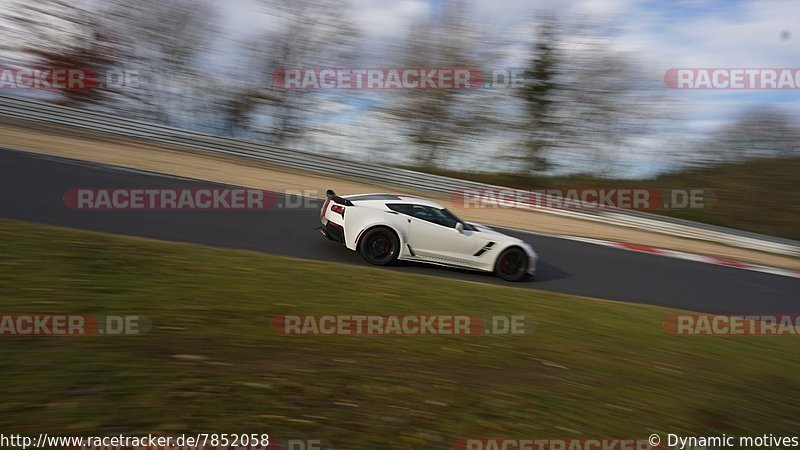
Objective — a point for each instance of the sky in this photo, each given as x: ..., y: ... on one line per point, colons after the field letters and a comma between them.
x: 658, y: 34
x: 661, y: 34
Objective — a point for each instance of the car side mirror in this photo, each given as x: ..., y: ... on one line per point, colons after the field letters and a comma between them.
x: 460, y: 227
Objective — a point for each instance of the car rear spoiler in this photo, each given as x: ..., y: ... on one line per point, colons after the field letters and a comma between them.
x: 340, y: 200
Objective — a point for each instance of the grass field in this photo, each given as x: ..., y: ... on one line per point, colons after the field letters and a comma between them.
x: 211, y: 363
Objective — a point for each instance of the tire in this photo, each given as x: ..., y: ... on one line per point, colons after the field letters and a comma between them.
x: 512, y: 264
x: 379, y: 246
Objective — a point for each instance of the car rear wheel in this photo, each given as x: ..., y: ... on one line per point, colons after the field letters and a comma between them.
x: 512, y: 264
x: 379, y: 246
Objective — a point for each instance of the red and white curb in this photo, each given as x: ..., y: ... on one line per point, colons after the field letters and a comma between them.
x: 689, y: 256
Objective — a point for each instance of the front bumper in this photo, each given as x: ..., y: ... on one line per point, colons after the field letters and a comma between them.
x: 533, y: 259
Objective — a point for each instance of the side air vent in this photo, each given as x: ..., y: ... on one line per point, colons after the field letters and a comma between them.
x: 485, y: 248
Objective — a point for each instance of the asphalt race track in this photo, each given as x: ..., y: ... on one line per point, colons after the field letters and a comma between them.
x: 33, y: 189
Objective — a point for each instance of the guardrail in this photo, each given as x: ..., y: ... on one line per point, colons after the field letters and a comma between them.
x: 100, y: 122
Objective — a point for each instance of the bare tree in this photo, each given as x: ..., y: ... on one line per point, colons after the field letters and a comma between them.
x: 583, y: 98
x: 170, y: 33
x: 305, y: 33
x: 168, y: 38
x: 760, y: 132
x: 63, y: 34
x: 436, y: 119
x: 159, y: 39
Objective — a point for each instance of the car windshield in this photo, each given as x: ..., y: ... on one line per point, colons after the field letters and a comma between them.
x: 446, y: 212
x: 447, y: 218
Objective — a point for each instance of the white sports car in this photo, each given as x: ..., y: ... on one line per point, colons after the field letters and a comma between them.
x: 388, y: 227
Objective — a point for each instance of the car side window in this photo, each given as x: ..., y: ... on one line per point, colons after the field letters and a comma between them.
x: 441, y: 217
x: 417, y: 211
x: 401, y: 208
x: 422, y: 213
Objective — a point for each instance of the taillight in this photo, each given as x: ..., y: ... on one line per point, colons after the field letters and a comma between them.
x: 338, y: 209
x: 324, y: 208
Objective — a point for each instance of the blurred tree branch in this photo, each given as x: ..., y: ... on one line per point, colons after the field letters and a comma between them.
x: 436, y: 119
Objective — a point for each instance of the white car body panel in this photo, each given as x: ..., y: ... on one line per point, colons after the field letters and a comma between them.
x: 477, y: 247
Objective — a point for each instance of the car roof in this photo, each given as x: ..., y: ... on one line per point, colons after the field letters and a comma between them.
x: 382, y: 199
